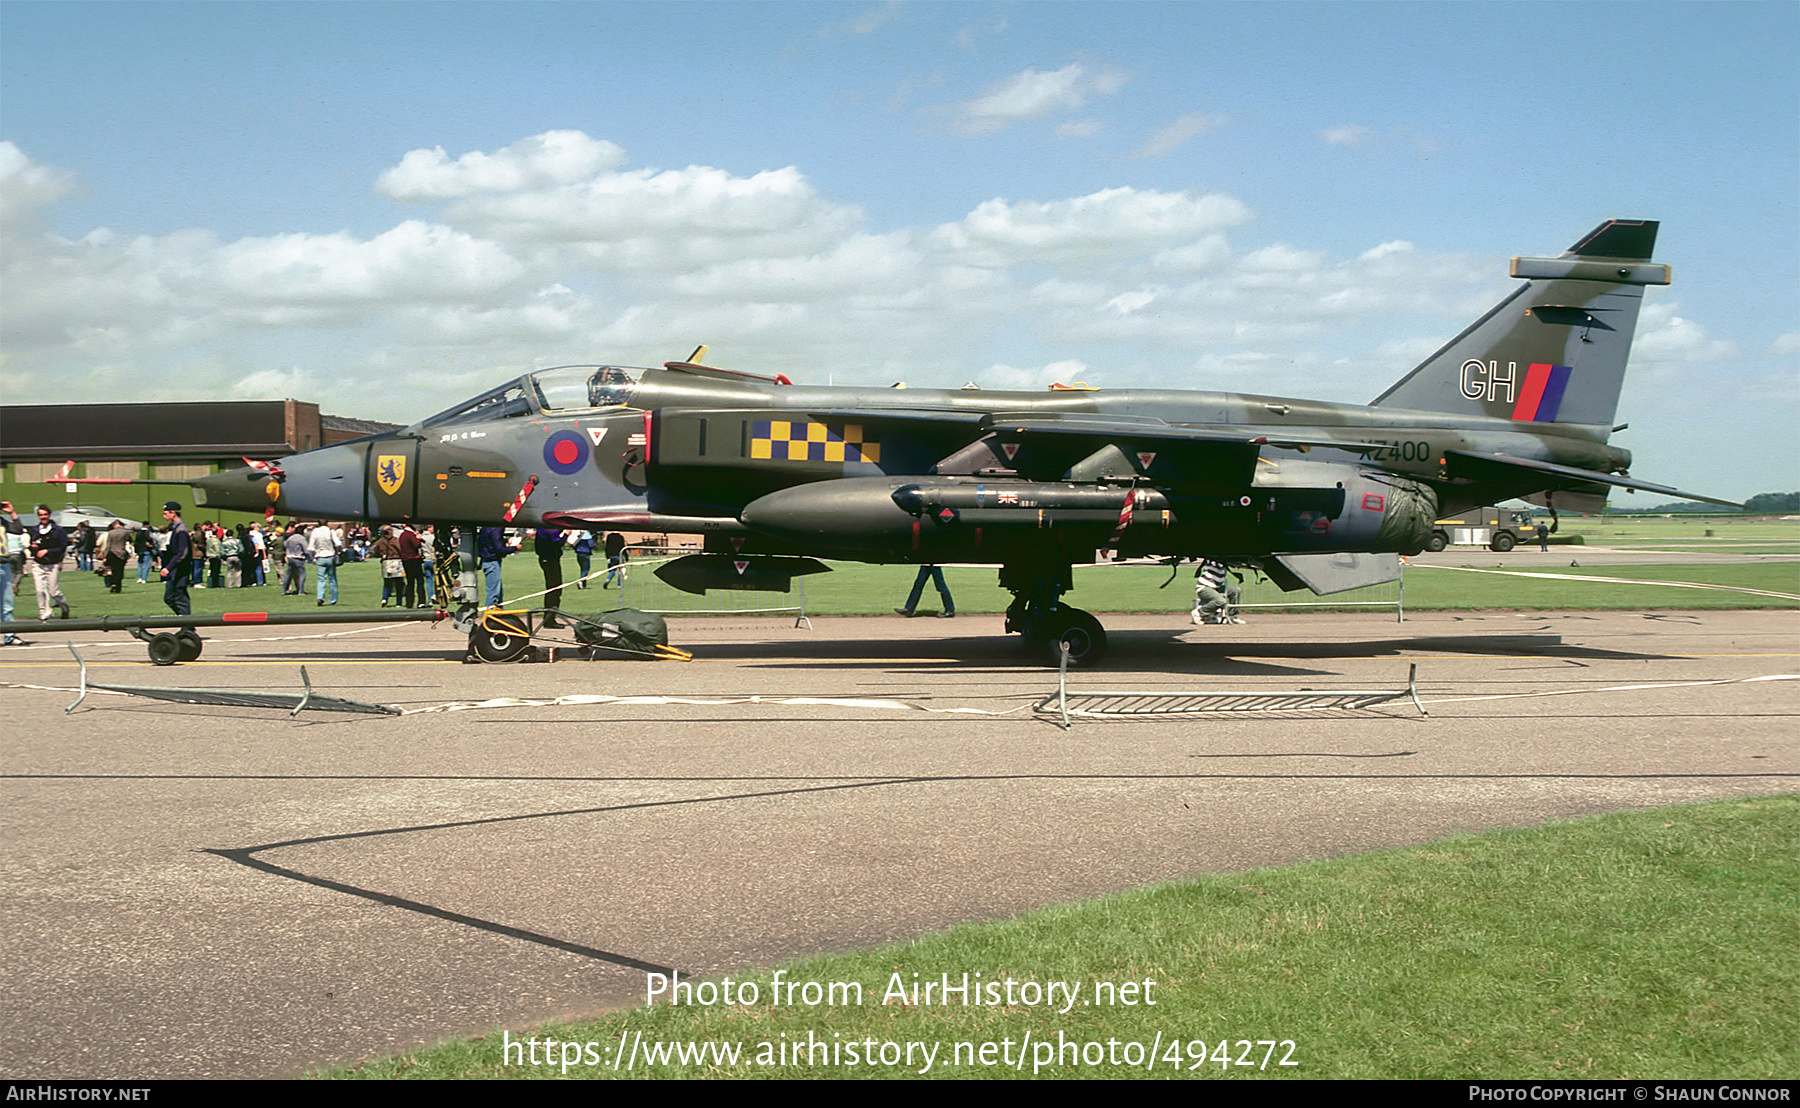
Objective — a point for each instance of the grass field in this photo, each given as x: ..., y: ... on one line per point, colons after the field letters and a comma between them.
x: 1689, y: 534
x: 856, y: 589
x: 1653, y: 944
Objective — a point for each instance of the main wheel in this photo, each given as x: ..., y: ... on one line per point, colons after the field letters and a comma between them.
x: 189, y: 642
x: 1502, y: 542
x: 1437, y: 541
x: 165, y: 649
x: 1081, y: 633
x: 494, y: 645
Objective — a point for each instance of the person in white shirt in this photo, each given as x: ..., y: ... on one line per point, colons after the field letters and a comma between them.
x: 326, y: 544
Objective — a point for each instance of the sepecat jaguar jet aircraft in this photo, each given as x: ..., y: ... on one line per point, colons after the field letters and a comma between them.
x: 1520, y: 404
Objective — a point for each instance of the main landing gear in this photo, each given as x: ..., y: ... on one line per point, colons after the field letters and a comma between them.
x: 1047, y: 624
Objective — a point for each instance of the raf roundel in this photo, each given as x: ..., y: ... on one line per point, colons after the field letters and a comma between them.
x: 566, y: 452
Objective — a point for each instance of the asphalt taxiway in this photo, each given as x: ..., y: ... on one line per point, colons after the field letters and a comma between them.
x: 210, y: 891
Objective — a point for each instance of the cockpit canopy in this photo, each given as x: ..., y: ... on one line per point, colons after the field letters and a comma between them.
x: 559, y: 391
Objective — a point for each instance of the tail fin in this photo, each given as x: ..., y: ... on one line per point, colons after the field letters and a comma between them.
x: 1554, y: 351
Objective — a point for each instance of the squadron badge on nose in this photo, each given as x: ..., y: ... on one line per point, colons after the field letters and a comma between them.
x: 390, y: 471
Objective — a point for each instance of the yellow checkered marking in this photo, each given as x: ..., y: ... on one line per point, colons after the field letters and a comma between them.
x: 794, y: 441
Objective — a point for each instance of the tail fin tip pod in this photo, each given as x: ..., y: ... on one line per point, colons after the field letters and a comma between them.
x: 1553, y: 351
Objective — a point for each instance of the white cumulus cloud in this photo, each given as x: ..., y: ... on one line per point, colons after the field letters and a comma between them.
x: 552, y: 158
x: 1347, y: 134
x: 1065, y: 372
x: 671, y: 220
x: 1173, y: 135
x: 1104, y: 226
x: 413, y: 261
x: 275, y: 384
x: 553, y: 250
x: 1666, y: 338
x: 1034, y: 94
x: 27, y: 187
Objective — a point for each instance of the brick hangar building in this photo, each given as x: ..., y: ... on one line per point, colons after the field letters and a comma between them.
x: 178, y: 440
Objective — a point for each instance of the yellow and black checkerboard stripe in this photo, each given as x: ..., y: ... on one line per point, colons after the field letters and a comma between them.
x: 786, y: 440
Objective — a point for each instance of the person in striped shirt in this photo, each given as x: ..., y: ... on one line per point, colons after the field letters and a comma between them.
x: 1215, y: 594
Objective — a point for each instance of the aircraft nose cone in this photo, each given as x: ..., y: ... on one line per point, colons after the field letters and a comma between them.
x: 237, y: 489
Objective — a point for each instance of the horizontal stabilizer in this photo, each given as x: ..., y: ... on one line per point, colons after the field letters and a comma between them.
x: 1494, y: 466
x: 1325, y: 574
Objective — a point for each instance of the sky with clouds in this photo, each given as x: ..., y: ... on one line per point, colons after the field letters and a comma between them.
x: 387, y: 207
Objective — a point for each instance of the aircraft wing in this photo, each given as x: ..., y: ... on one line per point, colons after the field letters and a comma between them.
x: 870, y: 415
x: 1164, y: 452
x: 1150, y: 429
x: 1066, y: 445
x: 1093, y: 447
x: 1139, y: 429
x: 1108, y: 427
x: 1491, y: 465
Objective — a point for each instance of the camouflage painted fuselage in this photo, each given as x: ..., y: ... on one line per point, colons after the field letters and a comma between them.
x: 1520, y: 404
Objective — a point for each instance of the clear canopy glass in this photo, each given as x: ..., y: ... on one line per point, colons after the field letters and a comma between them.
x: 557, y: 391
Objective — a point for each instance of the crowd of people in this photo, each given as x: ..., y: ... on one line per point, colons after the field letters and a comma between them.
x: 215, y: 556
x: 493, y: 544
x: 212, y: 555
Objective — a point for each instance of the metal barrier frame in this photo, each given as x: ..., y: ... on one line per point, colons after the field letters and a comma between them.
x: 234, y: 698
x: 1135, y: 703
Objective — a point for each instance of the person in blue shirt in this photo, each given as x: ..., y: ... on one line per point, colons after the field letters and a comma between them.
x: 582, y: 542
x: 14, y: 532
x: 615, y: 560
x: 49, y: 543
x: 178, y: 559
x: 490, y: 547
